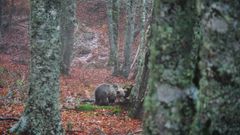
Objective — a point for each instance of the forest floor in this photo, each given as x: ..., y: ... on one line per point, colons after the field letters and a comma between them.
x: 78, y: 85
x: 87, y: 72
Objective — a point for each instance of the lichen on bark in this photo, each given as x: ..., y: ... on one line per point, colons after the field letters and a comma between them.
x: 172, y: 66
x: 67, y: 26
x: 219, y: 104
x: 178, y: 39
x: 139, y: 91
x: 41, y: 115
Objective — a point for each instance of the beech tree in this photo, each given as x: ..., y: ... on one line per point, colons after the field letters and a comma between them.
x: 67, y: 25
x: 129, y: 35
x: 3, y: 4
x: 41, y: 115
x: 194, y: 68
x: 1, y: 13
x: 139, y: 91
x: 219, y: 63
x: 113, y: 8
x: 169, y: 105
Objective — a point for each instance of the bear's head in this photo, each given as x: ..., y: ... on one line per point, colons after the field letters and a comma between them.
x: 120, y: 93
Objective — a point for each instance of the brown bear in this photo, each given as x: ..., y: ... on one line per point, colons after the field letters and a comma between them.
x: 106, y: 94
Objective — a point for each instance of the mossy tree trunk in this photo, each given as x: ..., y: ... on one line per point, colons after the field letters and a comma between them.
x: 68, y: 21
x: 194, y: 70
x: 42, y: 115
x: 139, y: 91
x: 113, y: 8
x: 219, y: 104
x: 169, y: 106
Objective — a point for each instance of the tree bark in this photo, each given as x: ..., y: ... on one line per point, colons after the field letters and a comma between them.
x: 169, y: 105
x: 10, y: 16
x: 68, y: 21
x: 41, y: 115
x: 218, y: 104
x: 113, y: 7
x: 130, y: 31
x: 139, y: 91
x: 1, y: 14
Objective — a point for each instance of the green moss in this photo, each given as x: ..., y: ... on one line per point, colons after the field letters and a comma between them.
x: 85, y: 107
x: 116, y: 110
x: 2, y: 83
x: 218, y: 105
x: 20, y: 82
x: 90, y: 107
x: 172, y: 68
x: 2, y: 70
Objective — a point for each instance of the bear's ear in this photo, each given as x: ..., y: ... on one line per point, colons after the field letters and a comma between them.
x: 115, y: 86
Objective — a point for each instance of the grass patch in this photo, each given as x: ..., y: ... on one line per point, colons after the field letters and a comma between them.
x: 85, y: 107
x: 90, y: 107
x: 2, y: 83
x: 105, y: 107
x: 116, y: 110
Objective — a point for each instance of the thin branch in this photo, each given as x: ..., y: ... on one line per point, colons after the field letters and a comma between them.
x: 135, y: 132
x: 135, y: 58
x: 74, y: 131
x: 9, y: 118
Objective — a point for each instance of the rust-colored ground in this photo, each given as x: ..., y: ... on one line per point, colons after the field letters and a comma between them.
x: 81, y: 82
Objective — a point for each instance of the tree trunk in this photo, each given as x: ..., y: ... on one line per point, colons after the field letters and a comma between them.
x: 3, y: 22
x: 1, y: 14
x: 130, y: 31
x: 140, y: 89
x: 10, y: 16
x: 169, y: 106
x: 41, y: 115
x: 67, y: 33
x: 113, y: 7
x: 219, y: 104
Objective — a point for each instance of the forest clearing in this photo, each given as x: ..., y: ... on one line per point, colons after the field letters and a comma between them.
x: 119, y: 67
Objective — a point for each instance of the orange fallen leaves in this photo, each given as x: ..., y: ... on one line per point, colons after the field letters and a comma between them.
x: 76, y: 122
x: 80, y: 83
